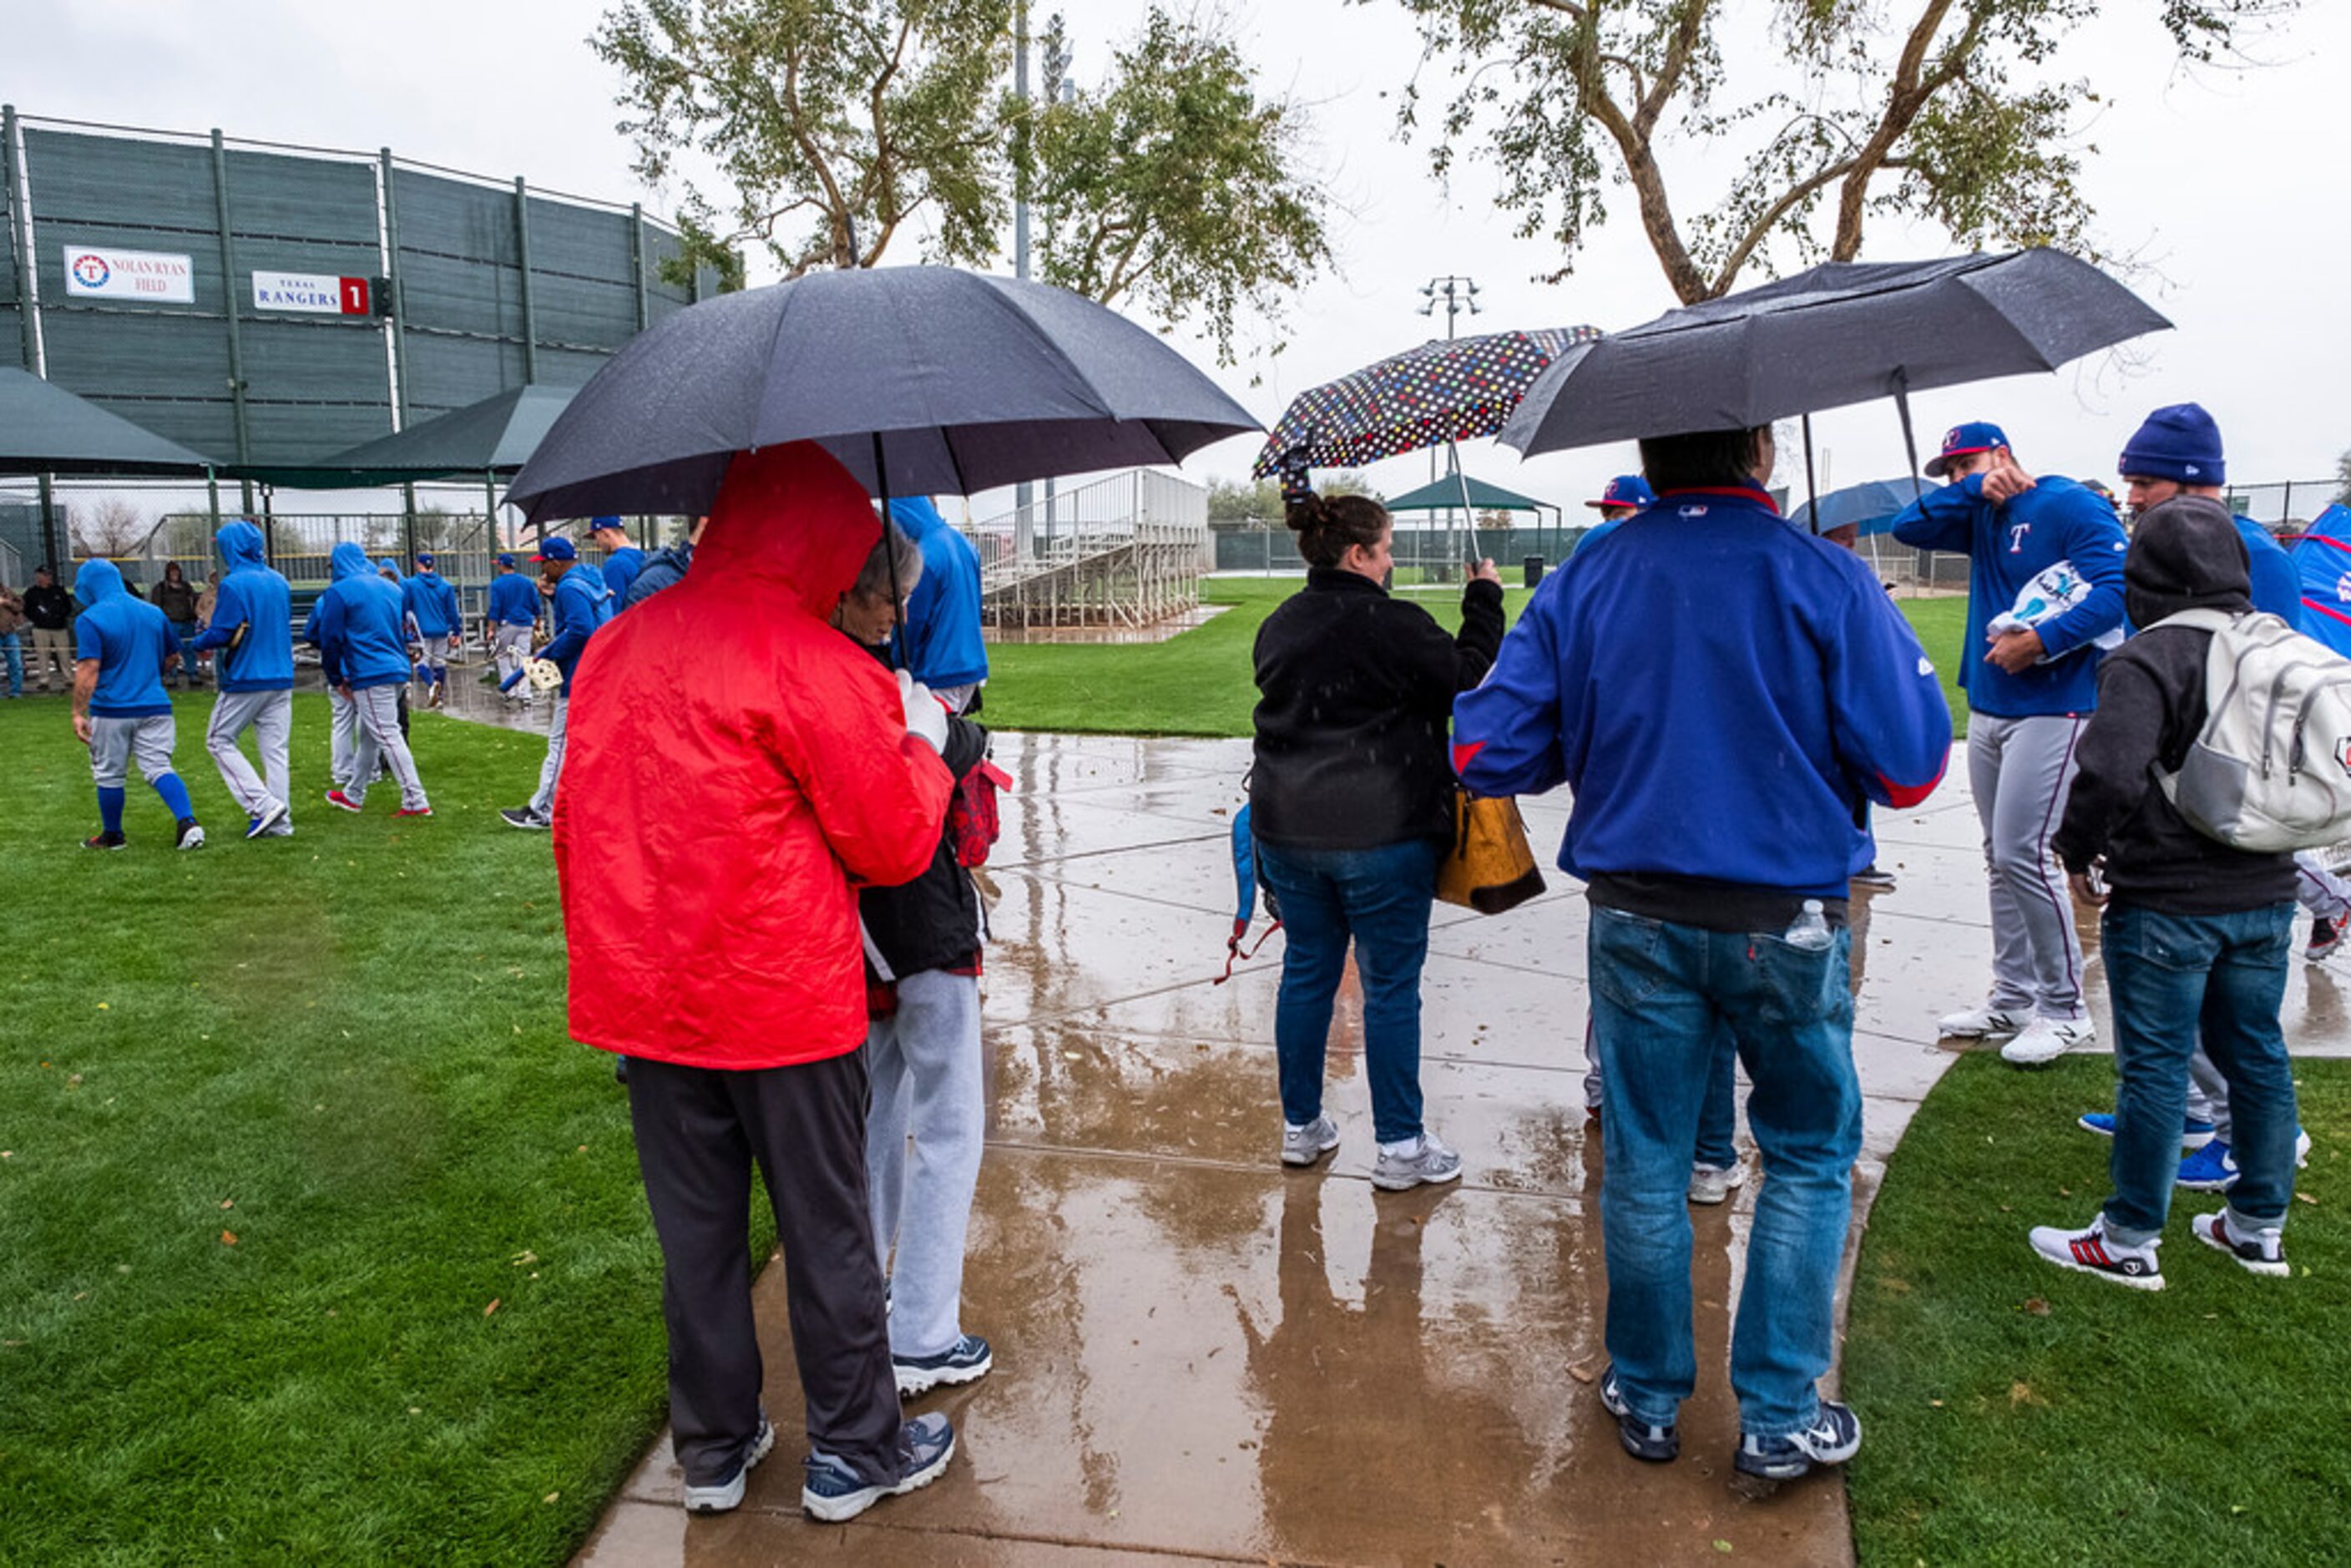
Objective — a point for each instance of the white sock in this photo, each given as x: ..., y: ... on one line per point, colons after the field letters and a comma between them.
x: 1404, y: 1149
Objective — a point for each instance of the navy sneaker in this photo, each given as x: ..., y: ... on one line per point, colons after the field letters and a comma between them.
x: 965, y: 1361
x: 727, y: 1495
x: 104, y: 841
x: 833, y: 1492
x: 1833, y: 1436
x: 1643, y: 1441
x: 2194, y: 1133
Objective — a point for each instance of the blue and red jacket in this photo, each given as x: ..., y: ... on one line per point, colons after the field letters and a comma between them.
x: 2007, y: 547
x: 1723, y: 693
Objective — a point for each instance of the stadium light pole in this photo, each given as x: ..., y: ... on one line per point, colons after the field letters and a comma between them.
x: 1459, y: 294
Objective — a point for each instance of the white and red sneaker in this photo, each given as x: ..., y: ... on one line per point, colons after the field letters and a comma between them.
x: 2091, y: 1252
x: 342, y: 802
x: 2263, y: 1254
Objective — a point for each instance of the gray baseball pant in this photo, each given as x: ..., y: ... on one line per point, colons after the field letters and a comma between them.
x: 270, y: 717
x: 2020, y: 770
x: 379, y: 715
x: 542, y: 804
x: 513, y: 645
x: 342, y: 737
x: 115, y: 742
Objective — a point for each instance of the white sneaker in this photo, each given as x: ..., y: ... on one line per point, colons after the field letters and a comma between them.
x: 1712, y: 1184
x: 1977, y: 1022
x: 2045, y: 1040
x: 1414, y: 1164
x: 2088, y: 1252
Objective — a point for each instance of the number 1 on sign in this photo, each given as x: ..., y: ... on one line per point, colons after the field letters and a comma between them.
x: 355, y: 296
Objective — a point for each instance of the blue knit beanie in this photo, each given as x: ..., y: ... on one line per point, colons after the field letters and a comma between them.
x: 2179, y: 443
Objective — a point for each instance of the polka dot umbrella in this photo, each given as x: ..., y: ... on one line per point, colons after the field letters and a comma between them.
x: 1446, y: 390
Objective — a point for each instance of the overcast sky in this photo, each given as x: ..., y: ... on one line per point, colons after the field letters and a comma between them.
x: 2230, y: 184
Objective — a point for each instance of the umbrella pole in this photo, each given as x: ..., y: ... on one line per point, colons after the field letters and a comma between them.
x: 897, y: 599
x: 1469, y: 517
x: 1812, y: 490
x: 1910, y: 440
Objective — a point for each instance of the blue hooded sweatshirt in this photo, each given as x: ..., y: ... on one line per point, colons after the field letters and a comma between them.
x: 2277, y: 582
x: 619, y: 569
x: 1721, y: 692
x: 255, y: 597
x: 943, y: 642
x: 2009, y: 546
x: 431, y: 603
x: 357, y: 625
x: 130, y: 639
x: 514, y: 599
x: 582, y: 604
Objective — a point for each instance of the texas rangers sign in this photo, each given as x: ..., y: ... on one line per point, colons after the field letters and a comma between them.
x: 93, y: 273
x: 315, y: 293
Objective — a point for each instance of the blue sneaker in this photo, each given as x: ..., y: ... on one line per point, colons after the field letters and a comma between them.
x: 2194, y: 1133
x: 1833, y: 1436
x: 833, y: 1492
x: 965, y: 1361
x: 2212, y: 1168
x: 727, y: 1496
x: 270, y: 816
x: 1656, y: 1445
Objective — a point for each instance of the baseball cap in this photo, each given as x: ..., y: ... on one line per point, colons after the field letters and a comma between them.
x: 557, y: 549
x: 596, y: 523
x: 1626, y: 490
x: 505, y: 559
x: 425, y: 558
x: 1962, y: 439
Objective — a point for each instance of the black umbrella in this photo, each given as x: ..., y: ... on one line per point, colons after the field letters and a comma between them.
x: 1836, y: 334
x: 921, y: 380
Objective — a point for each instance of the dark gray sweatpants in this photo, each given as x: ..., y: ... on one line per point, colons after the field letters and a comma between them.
x: 699, y: 1129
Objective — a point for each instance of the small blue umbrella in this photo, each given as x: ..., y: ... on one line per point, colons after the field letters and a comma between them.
x: 1869, y: 508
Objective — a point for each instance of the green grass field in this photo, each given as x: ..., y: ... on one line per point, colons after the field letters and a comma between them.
x: 1198, y: 682
x: 318, y: 1240
x: 2018, y: 1414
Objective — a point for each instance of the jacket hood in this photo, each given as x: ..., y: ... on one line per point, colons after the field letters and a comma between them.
x: 792, y: 518
x: 2186, y: 554
x: 916, y: 517
x: 96, y: 580
x: 240, y: 544
x: 348, y: 560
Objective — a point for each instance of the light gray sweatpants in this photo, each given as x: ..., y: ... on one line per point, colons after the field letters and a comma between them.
x: 343, y: 735
x: 115, y: 743
x: 2020, y: 770
x: 379, y: 715
x: 513, y: 645
x: 542, y: 804
x: 270, y: 717
x: 928, y: 1085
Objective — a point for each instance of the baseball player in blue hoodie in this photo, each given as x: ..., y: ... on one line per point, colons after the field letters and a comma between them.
x: 363, y: 646
x: 507, y: 621
x: 123, y: 646
x: 430, y: 605
x: 2044, y: 595
x: 253, y: 626
x: 1723, y: 693
x: 582, y: 604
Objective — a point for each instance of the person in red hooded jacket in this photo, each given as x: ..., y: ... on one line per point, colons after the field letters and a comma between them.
x: 737, y: 769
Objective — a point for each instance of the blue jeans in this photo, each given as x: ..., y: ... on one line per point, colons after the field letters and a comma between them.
x: 1668, y: 1004
x: 1717, y: 1122
x: 12, y: 648
x: 1381, y: 897
x: 2172, y: 977
x: 186, y: 631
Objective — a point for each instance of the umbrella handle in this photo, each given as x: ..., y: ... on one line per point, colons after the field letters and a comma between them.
x: 1901, y: 379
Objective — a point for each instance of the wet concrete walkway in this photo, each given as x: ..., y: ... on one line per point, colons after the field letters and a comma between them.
x: 1202, y: 1357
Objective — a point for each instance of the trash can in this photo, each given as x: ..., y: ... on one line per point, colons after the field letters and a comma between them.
x: 1534, y: 570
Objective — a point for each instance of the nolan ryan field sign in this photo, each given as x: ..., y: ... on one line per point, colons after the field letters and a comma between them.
x: 92, y: 272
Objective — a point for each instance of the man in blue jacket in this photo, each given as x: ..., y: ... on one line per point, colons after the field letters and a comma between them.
x: 1721, y: 693
x: 363, y: 646
x: 582, y: 604
x: 430, y: 604
x: 252, y: 627
x: 123, y: 646
x: 941, y: 639
x: 622, y: 560
x: 2052, y: 547
x: 507, y: 621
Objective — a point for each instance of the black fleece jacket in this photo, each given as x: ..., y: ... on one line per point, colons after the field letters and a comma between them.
x: 1356, y: 703
x: 932, y: 922
x: 2186, y: 554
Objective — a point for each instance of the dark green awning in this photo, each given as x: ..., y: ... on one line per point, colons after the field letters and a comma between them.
x: 45, y: 429
x: 495, y: 435
x: 1446, y: 495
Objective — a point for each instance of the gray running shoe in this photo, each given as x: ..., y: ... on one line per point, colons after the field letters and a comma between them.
x: 1304, y: 1146
x: 1431, y: 1162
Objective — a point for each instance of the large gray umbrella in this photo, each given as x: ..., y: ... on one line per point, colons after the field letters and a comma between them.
x: 921, y: 380
x: 1837, y: 334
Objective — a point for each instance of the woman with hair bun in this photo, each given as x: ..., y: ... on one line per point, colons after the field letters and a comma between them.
x: 1351, y: 807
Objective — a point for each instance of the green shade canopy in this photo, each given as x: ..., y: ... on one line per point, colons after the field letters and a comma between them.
x: 1444, y: 495
x: 45, y: 429
x: 495, y: 435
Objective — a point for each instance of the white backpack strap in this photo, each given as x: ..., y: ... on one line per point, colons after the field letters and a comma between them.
x: 2197, y: 620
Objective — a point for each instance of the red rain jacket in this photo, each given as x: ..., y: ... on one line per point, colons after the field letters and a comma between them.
x: 734, y: 764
